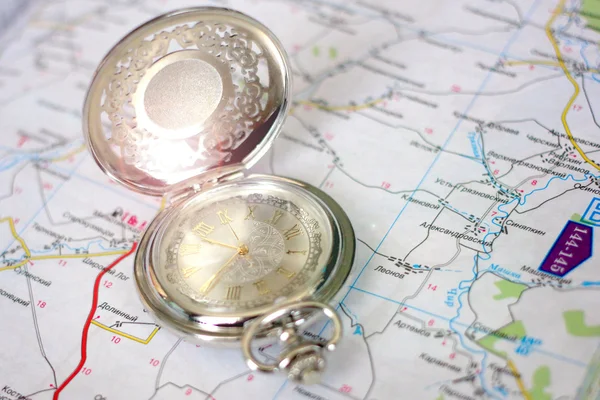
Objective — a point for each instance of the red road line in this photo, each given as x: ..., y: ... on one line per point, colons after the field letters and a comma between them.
x: 88, y: 322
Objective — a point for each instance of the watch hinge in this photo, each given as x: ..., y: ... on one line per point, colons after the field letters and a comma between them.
x: 230, y: 177
x: 197, y: 187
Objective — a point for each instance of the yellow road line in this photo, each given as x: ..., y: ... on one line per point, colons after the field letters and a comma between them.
x: 126, y: 335
x: 63, y: 256
x: 56, y: 256
x: 562, y: 65
x: 17, y: 265
x: 80, y: 255
x: 532, y: 62
x: 69, y: 154
x: 16, y: 236
x: 543, y: 62
x: 11, y: 224
x: 520, y: 383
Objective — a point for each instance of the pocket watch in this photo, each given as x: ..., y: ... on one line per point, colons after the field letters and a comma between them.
x: 181, y: 107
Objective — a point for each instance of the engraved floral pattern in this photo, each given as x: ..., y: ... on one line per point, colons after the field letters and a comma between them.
x: 223, y: 132
x: 266, y: 250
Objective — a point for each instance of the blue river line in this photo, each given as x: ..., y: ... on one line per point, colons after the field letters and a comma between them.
x: 15, y: 157
x: 466, y: 284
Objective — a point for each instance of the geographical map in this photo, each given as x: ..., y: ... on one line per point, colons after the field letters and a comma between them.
x: 461, y: 137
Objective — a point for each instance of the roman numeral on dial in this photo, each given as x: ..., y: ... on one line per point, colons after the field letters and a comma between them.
x: 303, y: 252
x: 250, y: 212
x: 185, y: 249
x: 292, y: 232
x: 224, y: 217
x: 262, y: 288
x: 187, y: 272
x: 276, y: 216
x: 285, y: 272
x: 234, y: 292
x: 203, y: 229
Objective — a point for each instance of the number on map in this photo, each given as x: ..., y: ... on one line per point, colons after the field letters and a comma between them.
x: 557, y: 268
x: 576, y: 236
x: 561, y: 261
x: 562, y: 253
x: 571, y: 243
x: 346, y: 389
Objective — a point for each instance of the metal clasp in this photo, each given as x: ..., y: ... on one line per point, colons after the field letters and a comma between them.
x: 301, y: 358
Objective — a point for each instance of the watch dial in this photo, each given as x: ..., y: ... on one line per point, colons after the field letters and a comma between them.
x: 244, y: 247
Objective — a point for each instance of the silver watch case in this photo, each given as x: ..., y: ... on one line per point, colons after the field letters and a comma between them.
x: 182, y: 106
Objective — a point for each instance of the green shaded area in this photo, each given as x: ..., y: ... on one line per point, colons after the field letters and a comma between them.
x: 508, y: 289
x: 590, y: 10
x: 440, y: 397
x: 541, y: 380
x: 316, y: 51
x: 576, y: 217
x: 332, y: 52
x: 575, y: 322
x: 488, y: 342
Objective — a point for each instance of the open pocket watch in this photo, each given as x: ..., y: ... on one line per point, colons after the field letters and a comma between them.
x: 181, y: 107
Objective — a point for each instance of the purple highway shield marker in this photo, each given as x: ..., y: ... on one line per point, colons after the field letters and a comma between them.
x: 570, y: 250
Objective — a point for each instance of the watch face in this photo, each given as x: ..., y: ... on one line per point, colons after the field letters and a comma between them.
x: 242, y: 247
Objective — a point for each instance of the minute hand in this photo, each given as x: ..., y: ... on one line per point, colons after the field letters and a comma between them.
x: 220, y: 244
x: 208, y: 285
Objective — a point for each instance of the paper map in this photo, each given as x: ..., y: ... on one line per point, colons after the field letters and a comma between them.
x: 461, y: 137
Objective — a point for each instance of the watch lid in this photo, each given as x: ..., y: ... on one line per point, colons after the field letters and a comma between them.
x: 185, y: 98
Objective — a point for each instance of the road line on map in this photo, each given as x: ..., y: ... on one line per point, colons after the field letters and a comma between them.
x: 543, y: 62
x: 126, y: 335
x: 565, y: 70
x: 520, y: 383
x: 357, y: 107
x: 69, y: 154
x: 13, y: 231
x: 107, y: 253
x: 88, y: 321
x: 37, y: 329
x: 62, y: 256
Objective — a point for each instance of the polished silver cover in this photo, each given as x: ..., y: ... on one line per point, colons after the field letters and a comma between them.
x: 185, y: 98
